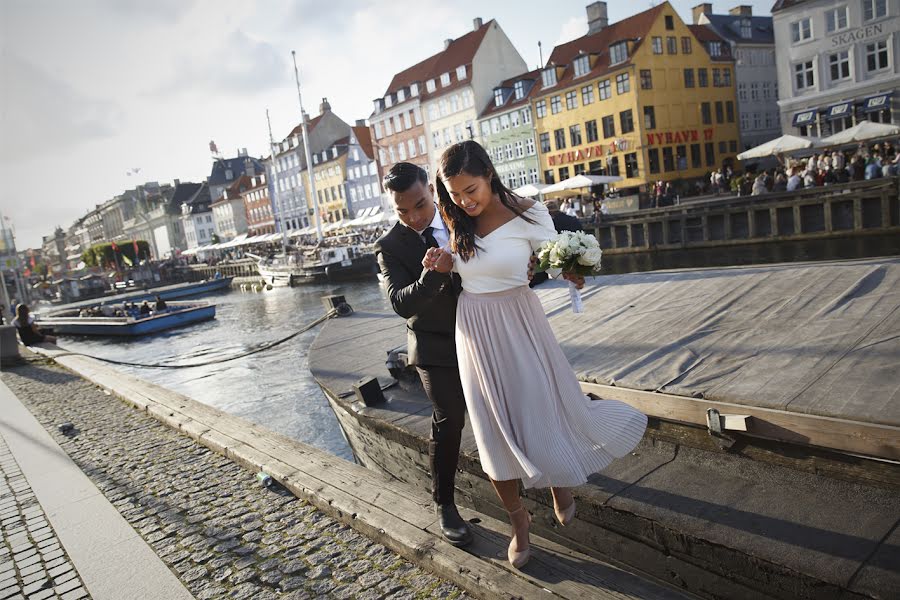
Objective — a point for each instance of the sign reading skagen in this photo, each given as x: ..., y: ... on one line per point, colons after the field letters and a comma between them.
x: 680, y: 137
x: 863, y: 33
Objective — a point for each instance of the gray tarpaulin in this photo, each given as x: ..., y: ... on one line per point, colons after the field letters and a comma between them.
x: 820, y: 338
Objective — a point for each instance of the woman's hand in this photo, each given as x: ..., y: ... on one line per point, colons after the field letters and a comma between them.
x: 578, y: 280
x: 438, y: 260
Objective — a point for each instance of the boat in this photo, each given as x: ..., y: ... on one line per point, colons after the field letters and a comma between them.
x: 125, y: 322
x: 167, y: 292
x: 316, y: 265
x: 769, y: 468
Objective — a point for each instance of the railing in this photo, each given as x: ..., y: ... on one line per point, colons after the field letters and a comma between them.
x: 245, y: 267
x: 858, y: 208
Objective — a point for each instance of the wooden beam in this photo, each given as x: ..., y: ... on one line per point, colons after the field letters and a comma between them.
x: 856, y: 437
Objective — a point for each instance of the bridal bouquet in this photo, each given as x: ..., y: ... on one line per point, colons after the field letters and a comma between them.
x: 573, y: 252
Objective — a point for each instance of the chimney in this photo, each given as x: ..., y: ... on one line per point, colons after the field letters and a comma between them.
x: 360, y: 122
x: 304, y: 117
x: 743, y: 10
x: 249, y: 168
x: 324, y: 106
x: 596, y: 17
x: 477, y: 23
x: 177, y: 182
x: 701, y: 9
x: 447, y: 43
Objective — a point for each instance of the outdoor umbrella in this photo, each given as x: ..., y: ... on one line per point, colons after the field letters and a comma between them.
x: 780, y: 145
x: 866, y: 130
x: 529, y: 190
x: 579, y: 182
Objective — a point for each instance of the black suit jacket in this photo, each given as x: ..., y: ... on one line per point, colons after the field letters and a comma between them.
x: 426, y: 299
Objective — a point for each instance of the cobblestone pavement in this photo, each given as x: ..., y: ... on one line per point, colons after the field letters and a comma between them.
x: 212, y: 523
x: 32, y: 563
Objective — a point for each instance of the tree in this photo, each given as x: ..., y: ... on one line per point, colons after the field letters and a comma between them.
x: 104, y: 254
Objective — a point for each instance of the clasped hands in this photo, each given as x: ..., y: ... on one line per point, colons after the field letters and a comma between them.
x: 438, y: 259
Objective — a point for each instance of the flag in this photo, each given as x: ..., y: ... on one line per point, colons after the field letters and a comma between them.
x: 114, y: 247
x: 127, y: 260
x: 136, y: 251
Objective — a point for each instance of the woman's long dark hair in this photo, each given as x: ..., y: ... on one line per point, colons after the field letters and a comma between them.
x: 470, y: 158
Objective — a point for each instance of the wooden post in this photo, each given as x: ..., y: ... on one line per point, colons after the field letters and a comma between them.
x: 798, y: 226
x: 857, y: 213
x: 826, y: 206
x: 751, y: 225
x: 773, y: 222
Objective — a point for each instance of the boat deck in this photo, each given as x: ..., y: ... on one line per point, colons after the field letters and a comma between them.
x: 806, y: 341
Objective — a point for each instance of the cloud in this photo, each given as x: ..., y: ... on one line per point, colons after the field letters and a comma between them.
x: 162, y: 11
x: 240, y: 65
x: 41, y: 111
x: 572, y: 29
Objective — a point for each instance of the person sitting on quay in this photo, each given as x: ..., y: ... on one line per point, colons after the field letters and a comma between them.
x: 28, y: 329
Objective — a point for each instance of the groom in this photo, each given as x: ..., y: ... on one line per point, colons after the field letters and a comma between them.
x: 427, y: 300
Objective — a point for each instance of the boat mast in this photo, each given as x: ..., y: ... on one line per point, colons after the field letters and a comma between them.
x: 309, y: 164
x: 275, y: 185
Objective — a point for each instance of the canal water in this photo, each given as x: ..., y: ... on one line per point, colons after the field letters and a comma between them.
x: 275, y: 388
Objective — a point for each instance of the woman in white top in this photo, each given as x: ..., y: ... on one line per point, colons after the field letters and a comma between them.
x: 530, y: 419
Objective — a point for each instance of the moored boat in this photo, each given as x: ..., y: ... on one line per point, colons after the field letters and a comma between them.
x: 318, y: 264
x: 126, y: 322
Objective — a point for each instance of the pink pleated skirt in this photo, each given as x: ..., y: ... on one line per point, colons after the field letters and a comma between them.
x: 530, y: 419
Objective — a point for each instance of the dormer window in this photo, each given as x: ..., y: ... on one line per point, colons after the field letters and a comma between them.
x: 378, y: 104
x: 548, y: 77
x: 618, y: 53
x: 715, y: 49
x: 430, y: 85
x: 414, y: 90
x: 519, y: 89
x: 498, y: 97
x: 315, y: 159
x: 747, y: 28
x: 401, y: 96
x: 445, y: 79
x: 582, y: 65
x: 461, y: 72
x: 388, y: 101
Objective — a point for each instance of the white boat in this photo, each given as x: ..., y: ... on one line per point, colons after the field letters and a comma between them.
x: 318, y: 264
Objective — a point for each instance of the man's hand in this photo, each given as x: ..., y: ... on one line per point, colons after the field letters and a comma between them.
x: 578, y: 280
x: 532, y: 263
x: 438, y: 260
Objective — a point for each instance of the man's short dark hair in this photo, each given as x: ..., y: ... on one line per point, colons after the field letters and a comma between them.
x: 403, y: 176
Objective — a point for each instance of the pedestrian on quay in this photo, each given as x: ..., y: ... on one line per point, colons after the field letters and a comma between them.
x: 531, y: 421
x: 28, y: 330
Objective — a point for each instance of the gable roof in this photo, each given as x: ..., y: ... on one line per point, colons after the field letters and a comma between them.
x: 235, y: 165
x: 531, y: 78
x: 782, y: 4
x: 729, y: 27
x: 185, y: 192
x: 634, y: 28
x: 364, y: 139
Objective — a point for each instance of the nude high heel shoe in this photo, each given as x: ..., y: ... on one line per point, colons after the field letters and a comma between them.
x: 518, y: 558
x: 564, y: 515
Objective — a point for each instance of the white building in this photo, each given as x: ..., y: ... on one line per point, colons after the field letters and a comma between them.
x: 837, y: 63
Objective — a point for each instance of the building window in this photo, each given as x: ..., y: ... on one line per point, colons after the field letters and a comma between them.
x: 626, y: 118
x: 726, y: 77
x: 877, y: 56
x: 541, y: 109
x: 686, y: 45
x: 653, y: 160
x: 702, y: 78
x: 411, y: 145
x: 715, y: 49
x: 668, y: 159
x: 571, y: 100
x: 688, y: 78
x: 613, y: 165
x: 672, y: 45
x: 560, y: 137
x: 605, y: 89
x: 631, y: 166
x: 839, y: 65
x: 649, y: 118
x: 623, y: 84
x: 710, y: 154
x: 445, y: 79
x: 804, y: 75
x: 509, y: 152
x: 514, y: 118
x: 520, y: 149
x: 646, y: 79
x: 801, y: 30
x: 717, y: 78
x: 563, y: 173
x: 732, y: 146
x: 498, y: 97
x: 422, y: 148
x: 618, y: 53
x: 579, y: 169
x: 548, y: 77
x: 529, y: 146
x: 461, y: 72
x: 657, y: 45
x: 705, y: 113
x: 587, y: 95
x: 504, y: 122
x: 696, y: 162
x: 729, y: 111
x: 545, y: 142
x: 555, y: 105
x: 723, y: 147
x: 431, y: 85
x: 609, y: 127
x: 582, y: 65
x: 526, y: 116
x: 590, y: 129
x: 836, y: 19
x: 720, y: 112
x: 575, y: 134
x: 874, y: 9
x: 548, y: 177
x: 485, y: 128
x: 533, y: 176
x: 519, y: 89
x: 670, y: 23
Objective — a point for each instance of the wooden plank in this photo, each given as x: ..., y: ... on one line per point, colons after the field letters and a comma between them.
x: 882, y: 441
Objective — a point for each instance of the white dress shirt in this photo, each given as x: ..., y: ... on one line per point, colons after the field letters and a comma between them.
x: 439, y: 231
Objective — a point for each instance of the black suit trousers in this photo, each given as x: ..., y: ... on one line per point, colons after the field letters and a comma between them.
x: 444, y: 389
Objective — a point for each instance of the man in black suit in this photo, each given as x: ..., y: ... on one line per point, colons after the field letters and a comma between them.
x: 427, y: 300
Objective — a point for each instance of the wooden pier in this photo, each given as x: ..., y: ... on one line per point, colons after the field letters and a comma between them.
x: 853, y: 209
x: 787, y: 490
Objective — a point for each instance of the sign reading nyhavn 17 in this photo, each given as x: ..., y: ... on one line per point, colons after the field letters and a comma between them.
x: 595, y: 152
x: 683, y: 136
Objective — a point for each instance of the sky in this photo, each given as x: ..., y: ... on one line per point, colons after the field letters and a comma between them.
x: 98, y: 96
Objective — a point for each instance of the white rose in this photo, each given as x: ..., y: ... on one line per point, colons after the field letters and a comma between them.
x: 590, y: 257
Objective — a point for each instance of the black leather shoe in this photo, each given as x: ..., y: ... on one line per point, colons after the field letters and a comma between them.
x: 455, y: 529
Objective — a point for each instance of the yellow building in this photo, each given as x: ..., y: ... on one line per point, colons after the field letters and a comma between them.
x: 329, y: 170
x: 642, y: 98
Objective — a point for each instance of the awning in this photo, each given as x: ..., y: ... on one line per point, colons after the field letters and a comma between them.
x: 838, y: 111
x: 73, y: 257
x: 879, y: 102
x: 805, y: 118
